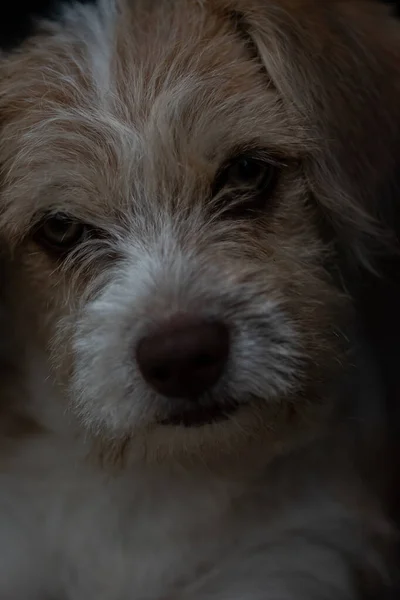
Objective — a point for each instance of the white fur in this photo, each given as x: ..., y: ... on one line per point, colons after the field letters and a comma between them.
x: 153, y: 284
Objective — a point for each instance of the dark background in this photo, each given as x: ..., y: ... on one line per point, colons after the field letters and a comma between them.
x: 16, y: 17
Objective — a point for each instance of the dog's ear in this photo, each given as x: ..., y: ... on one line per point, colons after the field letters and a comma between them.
x: 336, y: 66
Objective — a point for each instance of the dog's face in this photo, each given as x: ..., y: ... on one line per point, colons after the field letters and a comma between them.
x: 169, y: 171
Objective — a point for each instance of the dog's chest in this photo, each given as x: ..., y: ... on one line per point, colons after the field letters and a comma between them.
x: 77, y: 535
x: 145, y: 544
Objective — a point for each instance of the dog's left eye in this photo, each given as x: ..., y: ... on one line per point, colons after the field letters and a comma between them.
x: 246, y: 171
x: 60, y: 233
x: 249, y: 179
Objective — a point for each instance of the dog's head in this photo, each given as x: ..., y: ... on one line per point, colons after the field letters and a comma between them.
x: 179, y: 182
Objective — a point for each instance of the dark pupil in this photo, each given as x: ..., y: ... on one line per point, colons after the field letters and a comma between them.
x: 246, y: 171
x: 60, y: 226
x: 61, y: 230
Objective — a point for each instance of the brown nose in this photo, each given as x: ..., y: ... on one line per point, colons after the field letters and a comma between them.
x: 185, y: 357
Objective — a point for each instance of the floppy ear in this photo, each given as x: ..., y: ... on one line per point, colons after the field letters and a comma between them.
x: 336, y: 65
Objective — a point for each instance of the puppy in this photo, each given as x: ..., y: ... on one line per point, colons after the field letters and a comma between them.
x: 189, y: 412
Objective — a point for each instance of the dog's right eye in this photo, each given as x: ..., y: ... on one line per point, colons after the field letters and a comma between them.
x: 59, y: 233
x: 250, y: 179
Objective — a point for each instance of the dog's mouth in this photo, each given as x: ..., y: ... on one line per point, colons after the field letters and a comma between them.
x: 200, y: 415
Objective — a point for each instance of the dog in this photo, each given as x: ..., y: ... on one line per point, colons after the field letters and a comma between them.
x: 188, y: 191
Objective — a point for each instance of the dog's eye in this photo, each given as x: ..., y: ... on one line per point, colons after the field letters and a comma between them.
x: 60, y: 233
x: 248, y: 172
x: 250, y: 180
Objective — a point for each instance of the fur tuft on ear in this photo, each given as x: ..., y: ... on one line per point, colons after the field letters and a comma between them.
x: 344, y: 86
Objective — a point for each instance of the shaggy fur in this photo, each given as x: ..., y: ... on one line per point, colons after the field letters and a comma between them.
x: 122, y: 115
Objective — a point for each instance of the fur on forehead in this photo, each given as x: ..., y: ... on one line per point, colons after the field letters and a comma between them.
x: 113, y: 86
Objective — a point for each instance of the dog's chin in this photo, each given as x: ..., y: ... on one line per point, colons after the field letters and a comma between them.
x: 214, y: 438
x: 200, y: 416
